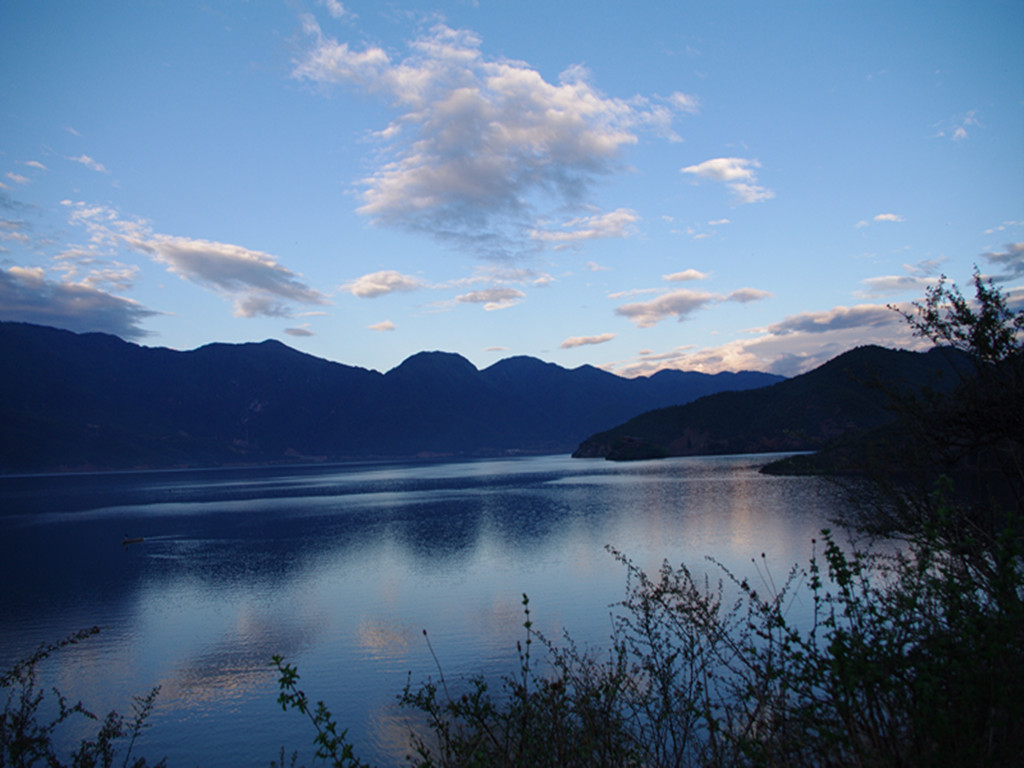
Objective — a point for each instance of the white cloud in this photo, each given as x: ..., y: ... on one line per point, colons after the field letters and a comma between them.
x: 838, y: 318
x: 89, y: 163
x: 724, y: 169
x: 681, y: 304
x: 17, y: 178
x: 617, y: 223
x: 582, y: 341
x: 888, y: 284
x: 747, y: 295
x: 593, y: 266
x: 960, y: 131
x: 918, y: 277
x: 27, y: 295
x: 792, y: 346
x: 336, y: 9
x: 113, y: 276
x: 738, y: 173
x: 301, y: 331
x: 381, y: 283
x: 956, y: 126
x: 35, y: 164
x: 384, y: 325
x: 15, y: 230
x: 1004, y: 226
x: 632, y: 292
x: 492, y: 298
x: 502, y: 275
x: 256, y: 283
x: 684, y: 102
x: 479, y: 143
x: 687, y: 274
x: 881, y: 217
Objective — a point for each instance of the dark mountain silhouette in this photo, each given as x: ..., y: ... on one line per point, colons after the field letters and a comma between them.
x: 93, y: 401
x: 851, y: 393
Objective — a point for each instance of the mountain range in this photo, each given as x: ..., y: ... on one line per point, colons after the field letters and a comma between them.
x: 93, y: 401
x: 851, y: 393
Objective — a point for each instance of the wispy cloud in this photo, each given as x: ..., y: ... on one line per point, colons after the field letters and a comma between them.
x: 889, y: 284
x: 83, y: 267
x: 918, y: 277
x: 837, y: 318
x: 382, y: 283
x: 747, y: 295
x: 792, y: 346
x: 479, y: 144
x: 583, y: 341
x: 17, y: 178
x: 685, y: 275
x: 255, y: 281
x: 89, y: 163
x: 336, y: 9
x: 1004, y: 226
x: 738, y: 173
x: 492, y: 298
x: 685, y: 102
x: 502, y: 275
x: 14, y: 229
x: 301, y: 331
x: 881, y: 217
x: 617, y: 223
x: 963, y: 123
x: 681, y: 304
x: 1010, y: 261
x: 384, y: 325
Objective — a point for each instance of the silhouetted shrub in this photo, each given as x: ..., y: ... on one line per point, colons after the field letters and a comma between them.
x: 29, y: 724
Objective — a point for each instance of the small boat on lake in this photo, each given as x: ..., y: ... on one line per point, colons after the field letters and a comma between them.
x: 131, y: 540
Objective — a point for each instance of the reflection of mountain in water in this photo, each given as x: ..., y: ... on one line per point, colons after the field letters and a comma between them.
x: 341, y: 568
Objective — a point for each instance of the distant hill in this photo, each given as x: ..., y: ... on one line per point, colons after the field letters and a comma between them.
x: 850, y: 393
x: 94, y: 401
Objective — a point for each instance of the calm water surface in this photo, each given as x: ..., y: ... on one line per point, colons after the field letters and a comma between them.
x: 341, y: 568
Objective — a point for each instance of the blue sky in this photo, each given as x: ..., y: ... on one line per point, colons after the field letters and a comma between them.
x: 708, y: 186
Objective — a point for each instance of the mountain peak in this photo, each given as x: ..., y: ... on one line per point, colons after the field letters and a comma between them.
x: 434, y: 362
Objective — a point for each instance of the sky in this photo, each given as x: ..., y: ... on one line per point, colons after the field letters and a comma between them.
x: 635, y: 186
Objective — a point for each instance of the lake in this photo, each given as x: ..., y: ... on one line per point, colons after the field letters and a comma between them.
x: 340, y: 568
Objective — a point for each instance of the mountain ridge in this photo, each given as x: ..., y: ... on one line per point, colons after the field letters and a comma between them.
x: 851, y: 392
x: 94, y: 401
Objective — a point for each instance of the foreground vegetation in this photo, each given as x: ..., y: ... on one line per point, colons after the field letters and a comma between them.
x: 913, y: 655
